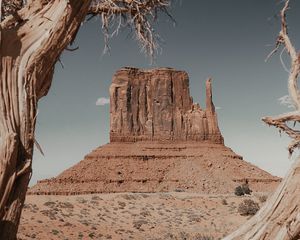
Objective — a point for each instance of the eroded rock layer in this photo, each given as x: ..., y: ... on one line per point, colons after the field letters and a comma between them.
x: 156, y: 167
x: 160, y: 141
x: 156, y: 105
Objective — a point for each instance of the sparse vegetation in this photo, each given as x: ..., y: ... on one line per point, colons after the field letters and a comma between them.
x: 55, y: 232
x: 263, y: 198
x: 49, y: 204
x: 238, y: 191
x: 65, y: 205
x: 179, y: 190
x: 131, y: 216
x: 203, y: 237
x: 248, y: 208
x: 138, y: 224
x: 96, y: 198
x: 242, y: 190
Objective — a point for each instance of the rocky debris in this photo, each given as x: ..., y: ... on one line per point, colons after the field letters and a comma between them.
x: 156, y: 105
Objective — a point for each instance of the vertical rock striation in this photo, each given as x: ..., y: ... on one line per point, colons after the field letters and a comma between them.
x: 147, y: 107
x: 150, y: 105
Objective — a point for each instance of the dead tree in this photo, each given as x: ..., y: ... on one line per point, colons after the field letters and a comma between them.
x: 279, y: 218
x: 32, y: 37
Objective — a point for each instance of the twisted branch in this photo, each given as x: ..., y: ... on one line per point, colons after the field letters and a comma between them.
x: 282, y: 120
x: 138, y: 14
x: 10, y: 7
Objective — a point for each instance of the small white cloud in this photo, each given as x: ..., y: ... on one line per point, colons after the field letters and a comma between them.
x: 286, y: 101
x: 102, y: 101
x: 218, y: 108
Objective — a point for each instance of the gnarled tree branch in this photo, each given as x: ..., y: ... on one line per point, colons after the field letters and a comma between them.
x: 10, y: 7
x: 138, y: 14
x: 279, y: 218
x: 32, y: 38
x: 281, y: 121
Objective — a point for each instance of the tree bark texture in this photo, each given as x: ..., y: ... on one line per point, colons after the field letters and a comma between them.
x: 279, y: 218
x: 31, y: 42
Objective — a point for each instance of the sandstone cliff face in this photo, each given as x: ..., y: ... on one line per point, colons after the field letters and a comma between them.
x: 150, y: 105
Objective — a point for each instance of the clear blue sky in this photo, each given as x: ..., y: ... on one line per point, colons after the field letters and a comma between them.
x: 226, y: 39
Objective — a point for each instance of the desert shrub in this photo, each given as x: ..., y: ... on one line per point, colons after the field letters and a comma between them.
x: 144, y: 195
x: 81, y: 200
x: 224, y: 202
x: 80, y: 235
x: 122, y: 204
x: 184, y: 236
x: 248, y: 208
x: 96, y: 198
x: 55, y: 232
x: 239, y: 191
x: 203, y: 237
x: 92, y: 235
x: 49, y: 204
x: 179, y: 190
x: 49, y: 213
x: 138, y: 224
x: 263, y: 198
x: 246, y: 189
x: 129, y: 197
x: 65, y: 205
x: 242, y: 190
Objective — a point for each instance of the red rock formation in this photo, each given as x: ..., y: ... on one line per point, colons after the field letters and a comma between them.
x: 154, y: 167
x: 160, y: 141
x: 156, y: 105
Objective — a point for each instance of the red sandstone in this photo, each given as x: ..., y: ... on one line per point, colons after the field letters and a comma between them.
x: 160, y: 142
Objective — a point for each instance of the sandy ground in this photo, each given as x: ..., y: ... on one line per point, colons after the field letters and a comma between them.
x: 176, y: 215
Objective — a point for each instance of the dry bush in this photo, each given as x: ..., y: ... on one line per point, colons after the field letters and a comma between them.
x: 81, y: 200
x: 238, y: 191
x: 65, y: 205
x: 96, y: 198
x: 138, y: 224
x: 54, y: 232
x: 263, y: 198
x: 203, y: 237
x: 242, y: 190
x: 49, y: 204
x: 248, y: 208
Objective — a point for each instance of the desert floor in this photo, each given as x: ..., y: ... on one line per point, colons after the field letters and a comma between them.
x: 176, y: 215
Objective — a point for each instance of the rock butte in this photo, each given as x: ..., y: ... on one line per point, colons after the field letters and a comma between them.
x: 160, y: 141
x: 156, y: 105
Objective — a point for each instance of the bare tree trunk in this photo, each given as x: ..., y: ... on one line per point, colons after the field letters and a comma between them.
x: 31, y: 42
x: 279, y: 219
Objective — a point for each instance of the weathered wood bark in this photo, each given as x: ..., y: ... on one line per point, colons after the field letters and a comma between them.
x: 279, y: 219
x: 31, y: 42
